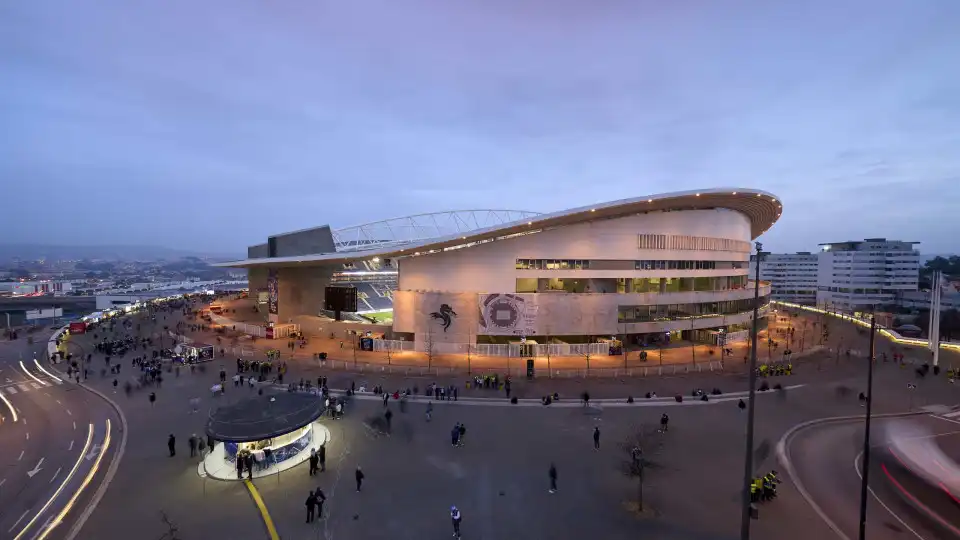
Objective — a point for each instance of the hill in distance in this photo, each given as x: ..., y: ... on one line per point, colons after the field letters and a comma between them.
x: 30, y: 252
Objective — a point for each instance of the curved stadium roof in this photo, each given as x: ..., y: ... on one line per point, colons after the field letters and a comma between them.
x: 761, y: 208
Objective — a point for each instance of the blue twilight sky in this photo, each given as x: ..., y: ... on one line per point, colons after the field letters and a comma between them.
x: 209, y: 124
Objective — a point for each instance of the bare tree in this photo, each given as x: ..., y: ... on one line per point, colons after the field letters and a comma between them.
x: 469, y: 347
x: 355, y: 340
x: 389, y: 350
x: 586, y: 354
x: 642, y: 456
x: 622, y: 327
x: 428, y: 346
x: 546, y: 348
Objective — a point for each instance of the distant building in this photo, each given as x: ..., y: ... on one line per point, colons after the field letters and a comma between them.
x: 862, y: 274
x: 36, y: 288
x: 792, y: 276
x: 921, y: 300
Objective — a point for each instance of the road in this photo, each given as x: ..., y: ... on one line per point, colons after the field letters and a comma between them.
x: 826, y: 458
x: 51, y: 455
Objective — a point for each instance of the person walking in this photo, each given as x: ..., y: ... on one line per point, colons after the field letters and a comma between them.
x: 664, y: 423
x: 172, y: 445
x: 314, y: 460
x: 359, y: 476
x: 311, y: 504
x: 553, y: 478
x: 321, y: 498
x: 202, y: 446
x: 322, y: 457
x: 388, y: 416
x: 596, y: 438
x: 455, y: 517
x: 192, y: 443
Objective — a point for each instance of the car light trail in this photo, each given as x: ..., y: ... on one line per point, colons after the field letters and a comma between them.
x: 86, y: 481
x: 9, y: 406
x: 51, y: 375
x: 62, y: 485
x: 32, y: 376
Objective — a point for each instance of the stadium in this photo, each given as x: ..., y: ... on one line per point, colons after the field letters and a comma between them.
x: 639, y: 271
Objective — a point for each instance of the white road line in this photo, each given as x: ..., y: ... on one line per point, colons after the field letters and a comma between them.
x: 55, y: 475
x: 28, y: 435
x: 21, y: 455
x: 18, y: 521
x: 74, y: 425
x: 24, y: 421
x: 952, y: 414
x: 2, y: 482
x: 856, y: 467
x: 24, y: 388
x: 71, y: 446
x: 58, y: 402
x: 70, y: 413
x: 12, y: 390
x: 35, y: 386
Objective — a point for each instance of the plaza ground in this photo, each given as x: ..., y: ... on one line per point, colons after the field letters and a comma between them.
x: 499, y: 478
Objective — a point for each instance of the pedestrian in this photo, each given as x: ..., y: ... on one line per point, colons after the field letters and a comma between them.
x: 192, y: 443
x: 314, y: 461
x: 203, y: 447
x: 359, y: 476
x: 462, y: 432
x: 172, y: 445
x: 388, y: 416
x: 429, y: 414
x: 553, y: 478
x: 321, y: 498
x: 741, y: 405
x: 596, y: 438
x: 322, y: 457
x: 455, y: 517
x: 455, y: 435
x: 311, y: 504
x: 386, y: 397
x: 248, y: 463
x: 664, y: 422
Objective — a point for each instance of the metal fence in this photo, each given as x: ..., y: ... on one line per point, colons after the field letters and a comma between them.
x: 509, y: 350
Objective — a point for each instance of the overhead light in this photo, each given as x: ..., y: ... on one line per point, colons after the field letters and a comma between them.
x: 734, y: 192
x: 529, y: 223
x: 698, y: 194
x: 376, y: 259
x: 649, y: 200
x: 593, y: 209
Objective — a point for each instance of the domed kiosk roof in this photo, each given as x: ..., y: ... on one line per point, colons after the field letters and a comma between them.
x: 263, y: 417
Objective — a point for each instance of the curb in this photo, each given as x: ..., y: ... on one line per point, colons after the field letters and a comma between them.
x: 114, y: 463
x: 784, y: 458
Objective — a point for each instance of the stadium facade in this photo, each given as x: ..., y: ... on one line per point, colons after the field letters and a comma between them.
x: 675, y: 264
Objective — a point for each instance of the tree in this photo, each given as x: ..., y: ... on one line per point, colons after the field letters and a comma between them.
x: 642, y: 452
x: 623, y: 342
x: 389, y: 350
x: 546, y: 349
x: 428, y: 345
x: 469, y: 347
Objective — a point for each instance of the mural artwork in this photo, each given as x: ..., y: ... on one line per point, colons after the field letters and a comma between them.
x: 508, y: 314
x: 445, y: 315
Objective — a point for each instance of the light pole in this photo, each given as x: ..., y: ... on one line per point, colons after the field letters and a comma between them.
x: 866, y: 434
x: 748, y: 454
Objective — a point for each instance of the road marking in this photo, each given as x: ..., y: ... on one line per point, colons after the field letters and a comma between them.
x: 18, y: 521
x: 952, y: 414
x: 271, y: 530
x: 70, y: 413
x: 31, y: 375
x: 21, y: 455
x: 59, y: 489
x: 856, y: 467
x: 12, y: 390
x: 35, y: 386
x: 71, y: 446
x: 24, y: 388
x: 28, y: 435
x: 58, y: 402
x: 74, y: 425
x: 2, y: 482
x: 36, y: 469
x: 55, y: 475
x: 24, y: 421
x: 45, y: 372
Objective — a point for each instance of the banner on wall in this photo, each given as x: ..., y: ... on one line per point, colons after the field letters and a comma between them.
x: 508, y: 315
x: 273, y: 292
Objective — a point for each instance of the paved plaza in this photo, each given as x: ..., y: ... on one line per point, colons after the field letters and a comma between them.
x: 499, y: 478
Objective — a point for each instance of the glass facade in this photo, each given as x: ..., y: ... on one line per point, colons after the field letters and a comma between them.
x: 673, y: 312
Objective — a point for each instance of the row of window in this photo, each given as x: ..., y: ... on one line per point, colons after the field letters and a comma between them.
x: 580, y: 264
x: 631, y: 285
x: 688, y: 265
x: 673, y: 312
x: 552, y: 264
x: 692, y: 243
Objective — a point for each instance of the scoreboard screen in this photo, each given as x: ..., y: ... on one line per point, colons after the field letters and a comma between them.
x: 340, y: 299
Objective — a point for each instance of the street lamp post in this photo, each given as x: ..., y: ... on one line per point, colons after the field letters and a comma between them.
x: 866, y: 433
x: 748, y: 454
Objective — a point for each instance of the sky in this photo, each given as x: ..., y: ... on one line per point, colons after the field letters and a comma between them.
x: 210, y: 125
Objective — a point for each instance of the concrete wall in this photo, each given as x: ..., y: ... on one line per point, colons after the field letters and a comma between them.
x: 552, y: 313
x: 308, y: 242
x: 491, y: 267
x: 301, y: 290
x: 258, y: 251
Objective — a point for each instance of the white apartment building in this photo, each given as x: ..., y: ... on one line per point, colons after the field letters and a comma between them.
x: 792, y: 276
x: 858, y: 275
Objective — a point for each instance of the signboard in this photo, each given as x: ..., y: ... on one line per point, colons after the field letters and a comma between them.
x: 508, y: 315
x: 340, y: 299
x: 273, y: 292
x: 78, y: 327
x: 35, y: 314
